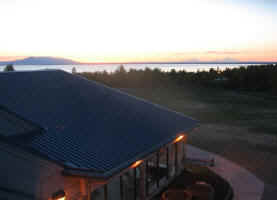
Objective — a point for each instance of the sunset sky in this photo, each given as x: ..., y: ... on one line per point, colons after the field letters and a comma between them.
x: 139, y: 31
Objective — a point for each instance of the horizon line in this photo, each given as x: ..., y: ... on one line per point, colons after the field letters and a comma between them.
x: 140, y: 62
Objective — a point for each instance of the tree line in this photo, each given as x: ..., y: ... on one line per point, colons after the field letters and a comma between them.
x: 262, y: 78
x: 9, y: 68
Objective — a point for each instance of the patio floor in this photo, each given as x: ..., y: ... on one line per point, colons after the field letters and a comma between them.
x: 194, y: 174
x: 245, y: 185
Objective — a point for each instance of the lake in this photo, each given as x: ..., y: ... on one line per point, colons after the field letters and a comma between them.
x: 112, y: 67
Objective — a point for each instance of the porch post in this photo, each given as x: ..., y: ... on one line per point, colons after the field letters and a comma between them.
x: 185, y: 147
x: 135, y: 183
x: 170, y: 159
x: 176, y: 158
x: 121, y: 188
x: 167, y: 164
x: 158, y: 169
x: 89, y: 190
x: 85, y: 189
x: 106, y: 191
x: 146, y: 178
x: 142, y: 173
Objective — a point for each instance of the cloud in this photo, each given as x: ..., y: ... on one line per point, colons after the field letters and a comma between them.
x: 192, y: 60
x: 222, y: 52
x: 11, y: 58
x: 227, y: 59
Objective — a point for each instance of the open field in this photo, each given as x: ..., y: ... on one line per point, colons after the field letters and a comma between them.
x: 241, y: 127
x: 256, y: 113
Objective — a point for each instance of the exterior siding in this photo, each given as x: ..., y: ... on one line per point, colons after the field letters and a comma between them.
x: 29, y: 177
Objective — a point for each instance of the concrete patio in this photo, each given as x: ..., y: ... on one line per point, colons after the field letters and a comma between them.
x: 246, y: 186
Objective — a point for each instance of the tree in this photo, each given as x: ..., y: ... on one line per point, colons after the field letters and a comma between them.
x: 9, y: 68
x: 120, y: 70
x: 120, y: 77
x: 74, y: 71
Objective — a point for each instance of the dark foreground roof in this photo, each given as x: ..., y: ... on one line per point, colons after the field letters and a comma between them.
x: 88, y: 125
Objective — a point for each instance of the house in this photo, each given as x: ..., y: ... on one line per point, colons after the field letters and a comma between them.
x: 64, y: 137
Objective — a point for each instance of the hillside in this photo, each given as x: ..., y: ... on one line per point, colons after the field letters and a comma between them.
x: 41, y: 61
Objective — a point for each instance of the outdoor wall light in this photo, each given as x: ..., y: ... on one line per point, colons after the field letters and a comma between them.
x: 59, y: 195
x: 137, y: 163
x: 179, y: 138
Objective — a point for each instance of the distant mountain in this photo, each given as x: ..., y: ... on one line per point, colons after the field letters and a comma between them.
x: 41, y: 61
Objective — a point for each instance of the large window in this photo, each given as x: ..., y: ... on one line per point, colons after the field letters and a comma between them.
x: 163, y: 166
x: 151, y: 175
x: 157, y: 170
x: 129, y: 184
x: 177, y: 156
x: 128, y: 180
x: 172, y: 159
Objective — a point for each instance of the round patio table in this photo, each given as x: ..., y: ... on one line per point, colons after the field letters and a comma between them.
x: 176, y: 194
x: 201, y: 191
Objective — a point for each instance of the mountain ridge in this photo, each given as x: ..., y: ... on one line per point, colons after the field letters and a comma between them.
x: 43, y: 60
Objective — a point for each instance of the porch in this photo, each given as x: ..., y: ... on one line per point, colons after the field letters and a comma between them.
x: 145, y: 178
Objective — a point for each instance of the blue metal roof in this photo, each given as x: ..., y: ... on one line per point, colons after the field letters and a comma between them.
x: 88, y: 125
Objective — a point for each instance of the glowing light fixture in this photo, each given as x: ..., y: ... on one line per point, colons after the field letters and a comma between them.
x: 59, y: 195
x: 137, y: 163
x: 179, y: 138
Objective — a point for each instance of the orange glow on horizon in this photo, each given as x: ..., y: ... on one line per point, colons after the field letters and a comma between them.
x: 259, y: 54
x: 262, y: 55
x: 11, y: 58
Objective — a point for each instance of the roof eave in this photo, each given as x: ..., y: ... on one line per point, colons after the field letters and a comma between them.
x: 69, y: 171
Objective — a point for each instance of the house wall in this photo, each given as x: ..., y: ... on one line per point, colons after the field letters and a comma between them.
x: 25, y: 176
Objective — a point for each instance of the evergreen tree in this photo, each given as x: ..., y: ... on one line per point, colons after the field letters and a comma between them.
x: 9, y: 68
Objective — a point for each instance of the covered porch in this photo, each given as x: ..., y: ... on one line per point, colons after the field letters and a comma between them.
x: 145, y: 178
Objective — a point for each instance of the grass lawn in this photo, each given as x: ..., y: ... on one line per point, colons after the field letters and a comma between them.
x: 239, y: 126
x: 258, y: 113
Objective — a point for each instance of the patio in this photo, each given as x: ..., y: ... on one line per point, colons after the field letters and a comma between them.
x: 199, y: 182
